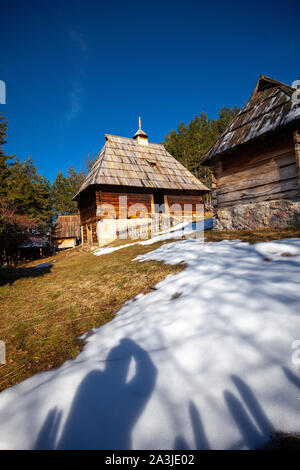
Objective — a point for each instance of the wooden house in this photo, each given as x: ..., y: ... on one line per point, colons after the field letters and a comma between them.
x: 134, y: 179
x: 256, y: 161
x: 66, y: 232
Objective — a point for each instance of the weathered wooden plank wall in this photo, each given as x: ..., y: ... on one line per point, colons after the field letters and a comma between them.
x: 112, y: 199
x: 296, y: 139
x: 94, y: 233
x: 179, y: 201
x: 84, y: 234
x: 260, y: 173
x: 87, y: 207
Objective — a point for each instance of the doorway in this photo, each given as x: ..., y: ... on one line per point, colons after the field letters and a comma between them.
x: 159, y: 202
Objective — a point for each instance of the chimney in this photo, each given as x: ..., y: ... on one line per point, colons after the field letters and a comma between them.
x: 140, y: 136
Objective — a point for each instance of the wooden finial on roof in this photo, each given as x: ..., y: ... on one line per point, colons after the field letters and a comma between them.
x: 140, y: 135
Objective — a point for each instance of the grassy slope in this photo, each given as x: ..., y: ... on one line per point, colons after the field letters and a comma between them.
x: 41, y: 316
x: 252, y: 236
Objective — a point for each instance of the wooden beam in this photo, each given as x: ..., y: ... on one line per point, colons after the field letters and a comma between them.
x: 292, y: 195
x: 267, y: 175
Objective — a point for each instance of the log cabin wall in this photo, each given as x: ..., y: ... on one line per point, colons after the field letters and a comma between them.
x: 180, y: 200
x: 94, y: 233
x: 263, y: 171
x: 107, y: 199
x: 87, y: 207
x: 296, y: 138
x: 111, y: 198
x: 84, y: 234
x: 90, y: 203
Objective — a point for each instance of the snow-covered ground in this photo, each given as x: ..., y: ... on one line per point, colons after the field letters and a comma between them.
x: 203, y: 361
x: 179, y: 231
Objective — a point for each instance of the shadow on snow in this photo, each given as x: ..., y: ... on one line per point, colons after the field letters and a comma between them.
x: 106, y: 405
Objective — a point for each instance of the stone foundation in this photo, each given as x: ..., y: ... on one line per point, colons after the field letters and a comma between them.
x: 276, y: 214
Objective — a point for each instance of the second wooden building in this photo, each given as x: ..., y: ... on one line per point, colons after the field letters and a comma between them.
x: 255, y: 163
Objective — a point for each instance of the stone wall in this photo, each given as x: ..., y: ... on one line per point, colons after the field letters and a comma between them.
x: 276, y: 214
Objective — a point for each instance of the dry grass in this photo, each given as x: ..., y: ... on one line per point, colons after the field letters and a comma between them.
x: 252, y: 236
x: 43, y: 311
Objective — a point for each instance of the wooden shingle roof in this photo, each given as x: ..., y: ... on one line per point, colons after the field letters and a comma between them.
x: 124, y: 162
x: 269, y: 108
x: 67, y: 226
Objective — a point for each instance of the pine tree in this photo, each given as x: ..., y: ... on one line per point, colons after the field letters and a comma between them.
x: 190, y: 143
x: 64, y: 189
x: 4, y: 159
x: 76, y: 178
x: 29, y: 193
x: 25, y: 199
x: 62, y: 195
x: 226, y: 115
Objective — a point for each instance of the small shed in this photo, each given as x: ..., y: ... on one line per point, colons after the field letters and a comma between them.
x: 66, y: 232
x: 35, y: 246
x: 255, y: 163
x: 131, y: 181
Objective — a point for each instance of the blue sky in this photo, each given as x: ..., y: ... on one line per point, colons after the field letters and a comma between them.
x: 75, y: 70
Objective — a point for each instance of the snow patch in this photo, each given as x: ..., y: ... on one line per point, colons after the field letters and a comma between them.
x: 178, y: 231
x: 211, y: 369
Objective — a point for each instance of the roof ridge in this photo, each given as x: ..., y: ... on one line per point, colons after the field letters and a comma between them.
x: 283, y: 86
x: 276, y: 82
x: 107, y: 136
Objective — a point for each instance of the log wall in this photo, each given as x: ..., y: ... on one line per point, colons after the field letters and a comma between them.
x: 109, y: 199
x: 84, y: 234
x: 87, y: 207
x: 99, y: 204
x: 179, y: 201
x: 260, y: 172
